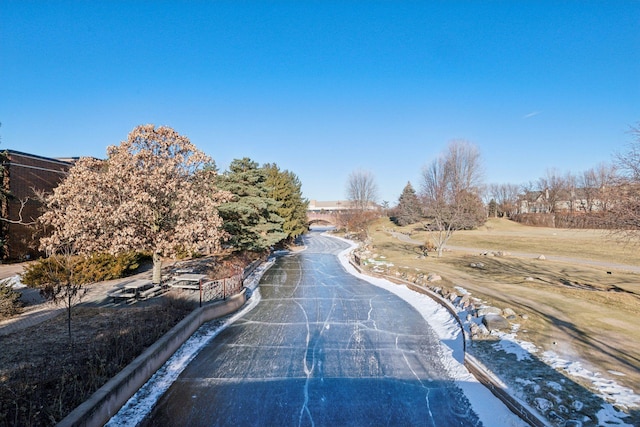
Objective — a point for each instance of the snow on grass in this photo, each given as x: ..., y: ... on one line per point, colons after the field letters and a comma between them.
x: 608, y: 389
x: 509, y: 343
x: 14, y: 282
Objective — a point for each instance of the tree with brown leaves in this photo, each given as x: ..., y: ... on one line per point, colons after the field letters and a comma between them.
x: 155, y: 192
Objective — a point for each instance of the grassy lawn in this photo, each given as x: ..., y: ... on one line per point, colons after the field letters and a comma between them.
x: 578, y: 311
x: 502, y: 234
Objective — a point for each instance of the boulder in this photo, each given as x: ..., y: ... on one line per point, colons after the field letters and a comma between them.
x: 483, y: 329
x: 433, y: 278
x: 483, y: 311
x: 542, y: 257
x: 495, y: 321
x: 473, y: 328
x: 509, y: 313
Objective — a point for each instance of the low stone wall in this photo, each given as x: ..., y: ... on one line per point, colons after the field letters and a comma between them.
x: 109, y: 398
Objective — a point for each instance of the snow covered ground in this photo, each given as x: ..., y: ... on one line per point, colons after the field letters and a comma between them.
x: 14, y: 282
x: 554, y: 396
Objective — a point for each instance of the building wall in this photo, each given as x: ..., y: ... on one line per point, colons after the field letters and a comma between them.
x: 24, y: 173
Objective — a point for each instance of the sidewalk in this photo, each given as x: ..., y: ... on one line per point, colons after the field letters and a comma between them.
x: 96, y: 294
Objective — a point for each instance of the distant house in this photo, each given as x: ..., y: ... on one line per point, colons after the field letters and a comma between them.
x: 24, y: 173
x: 576, y: 200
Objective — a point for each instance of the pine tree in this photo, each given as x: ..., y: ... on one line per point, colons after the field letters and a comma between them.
x: 285, y: 188
x: 251, y: 217
x: 409, y: 209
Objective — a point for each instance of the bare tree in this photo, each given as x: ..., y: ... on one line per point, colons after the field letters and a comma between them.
x: 625, y: 210
x: 628, y: 162
x: 362, y: 190
x: 596, y: 185
x: 506, y: 198
x: 450, y: 192
x: 59, y: 279
x: 552, y: 186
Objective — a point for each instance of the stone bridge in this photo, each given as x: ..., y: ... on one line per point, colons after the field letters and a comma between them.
x: 321, y: 217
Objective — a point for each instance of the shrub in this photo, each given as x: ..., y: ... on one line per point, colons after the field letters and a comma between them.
x: 96, y: 268
x: 9, y: 300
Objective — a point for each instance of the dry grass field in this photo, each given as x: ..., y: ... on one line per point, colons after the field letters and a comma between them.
x: 583, y: 312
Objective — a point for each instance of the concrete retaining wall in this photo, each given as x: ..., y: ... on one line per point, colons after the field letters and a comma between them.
x: 109, y: 398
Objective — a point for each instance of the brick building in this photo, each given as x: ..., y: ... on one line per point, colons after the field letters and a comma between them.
x: 24, y: 173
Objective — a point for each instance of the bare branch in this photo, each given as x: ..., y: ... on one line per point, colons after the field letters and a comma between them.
x: 450, y: 192
x: 20, y: 220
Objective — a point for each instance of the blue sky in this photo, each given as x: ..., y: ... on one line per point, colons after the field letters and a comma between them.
x: 328, y: 87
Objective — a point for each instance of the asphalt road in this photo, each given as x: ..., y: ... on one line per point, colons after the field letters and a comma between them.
x: 322, y: 348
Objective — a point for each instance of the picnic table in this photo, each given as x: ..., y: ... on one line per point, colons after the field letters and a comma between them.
x: 131, y: 290
x: 187, y: 281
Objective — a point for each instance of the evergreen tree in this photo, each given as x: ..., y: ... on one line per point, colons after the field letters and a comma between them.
x: 409, y: 209
x: 285, y: 188
x: 251, y: 217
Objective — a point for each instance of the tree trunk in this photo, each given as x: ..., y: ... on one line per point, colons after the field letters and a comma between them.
x: 157, y: 269
x: 69, y: 316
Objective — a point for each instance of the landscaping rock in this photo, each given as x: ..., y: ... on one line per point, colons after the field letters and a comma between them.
x: 483, y: 311
x: 509, y: 313
x: 495, y: 321
x: 473, y: 328
x: 433, y: 278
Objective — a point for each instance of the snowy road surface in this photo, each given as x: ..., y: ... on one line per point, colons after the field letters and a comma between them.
x: 322, y: 348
